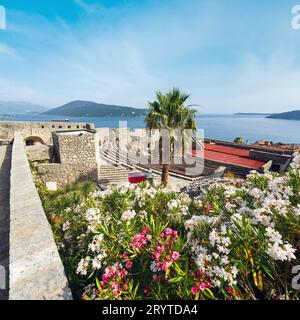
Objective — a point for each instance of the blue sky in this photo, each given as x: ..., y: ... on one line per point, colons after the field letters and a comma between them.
x: 229, y: 55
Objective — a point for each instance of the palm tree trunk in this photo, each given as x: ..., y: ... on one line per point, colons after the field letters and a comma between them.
x: 165, y: 174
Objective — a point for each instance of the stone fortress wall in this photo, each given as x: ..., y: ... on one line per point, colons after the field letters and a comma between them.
x: 37, y: 131
x: 76, y: 155
x: 36, y: 271
x: 76, y: 158
x: 75, y: 146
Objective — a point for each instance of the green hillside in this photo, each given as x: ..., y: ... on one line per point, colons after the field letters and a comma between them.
x: 93, y: 109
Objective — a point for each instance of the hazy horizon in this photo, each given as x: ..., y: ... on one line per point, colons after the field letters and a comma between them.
x: 138, y: 107
x: 230, y: 57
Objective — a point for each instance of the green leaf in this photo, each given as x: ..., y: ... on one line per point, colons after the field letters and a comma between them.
x: 98, y: 284
x: 175, y: 280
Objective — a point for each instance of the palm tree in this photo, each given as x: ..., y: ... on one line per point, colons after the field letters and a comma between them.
x: 170, y: 112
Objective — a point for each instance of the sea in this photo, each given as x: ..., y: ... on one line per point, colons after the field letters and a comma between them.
x: 223, y: 127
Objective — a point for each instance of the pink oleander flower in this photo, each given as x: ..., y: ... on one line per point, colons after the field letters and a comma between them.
x: 113, y: 278
x: 168, y: 231
x: 113, y: 285
x: 163, y: 266
x: 125, y: 256
x: 157, y: 256
x: 160, y: 249
x: 163, y: 256
x: 208, y: 208
x: 128, y: 264
x: 144, y: 230
x: 195, y: 290
x: 117, y: 291
x: 147, y: 291
x: 175, y: 256
x: 141, y: 239
x: 202, y: 286
x: 155, y: 278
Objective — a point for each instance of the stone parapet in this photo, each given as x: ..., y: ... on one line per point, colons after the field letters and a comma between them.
x: 36, y: 270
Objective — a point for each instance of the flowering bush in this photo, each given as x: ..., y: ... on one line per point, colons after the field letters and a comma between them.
x: 238, y: 240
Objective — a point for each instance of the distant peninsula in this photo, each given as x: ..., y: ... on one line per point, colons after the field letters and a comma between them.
x: 252, y: 114
x: 292, y: 115
x: 80, y: 108
x: 9, y: 108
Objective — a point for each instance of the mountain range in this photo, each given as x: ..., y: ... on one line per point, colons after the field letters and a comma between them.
x: 80, y: 108
x: 13, y: 107
x: 291, y: 115
x: 251, y: 114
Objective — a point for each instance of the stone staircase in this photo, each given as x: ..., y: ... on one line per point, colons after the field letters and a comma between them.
x: 113, y: 175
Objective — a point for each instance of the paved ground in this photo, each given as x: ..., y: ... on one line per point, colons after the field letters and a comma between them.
x: 5, y: 162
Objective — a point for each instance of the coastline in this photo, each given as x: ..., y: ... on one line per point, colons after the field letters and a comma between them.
x: 216, y: 126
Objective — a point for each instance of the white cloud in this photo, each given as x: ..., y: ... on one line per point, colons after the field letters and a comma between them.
x: 8, y: 51
x: 89, y: 8
x: 123, y: 58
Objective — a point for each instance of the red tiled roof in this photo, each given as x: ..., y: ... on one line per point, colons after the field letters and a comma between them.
x: 229, y: 150
x: 229, y: 155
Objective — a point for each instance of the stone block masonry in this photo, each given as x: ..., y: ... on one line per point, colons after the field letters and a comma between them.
x: 39, y: 152
x: 64, y: 174
x: 36, y: 270
x: 77, y: 158
x: 75, y: 147
x: 37, y: 130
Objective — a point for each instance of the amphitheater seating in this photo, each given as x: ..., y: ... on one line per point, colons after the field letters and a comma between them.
x: 127, y: 158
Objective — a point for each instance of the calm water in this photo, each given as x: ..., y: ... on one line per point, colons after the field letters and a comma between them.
x: 225, y: 127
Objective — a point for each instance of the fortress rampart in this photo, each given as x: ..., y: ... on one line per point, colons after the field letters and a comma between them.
x: 37, y: 132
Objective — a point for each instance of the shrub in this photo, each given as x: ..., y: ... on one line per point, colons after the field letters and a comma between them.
x: 238, y: 240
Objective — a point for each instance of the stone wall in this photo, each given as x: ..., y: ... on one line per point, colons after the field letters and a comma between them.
x: 67, y: 173
x: 41, y: 130
x: 36, y: 270
x: 281, y: 160
x: 239, y: 171
x: 75, y: 147
x: 77, y: 158
x: 39, y: 152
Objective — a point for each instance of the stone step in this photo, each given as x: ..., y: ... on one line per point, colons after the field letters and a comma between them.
x: 115, y: 182
x: 113, y: 175
x: 114, y: 178
x: 114, y: 170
